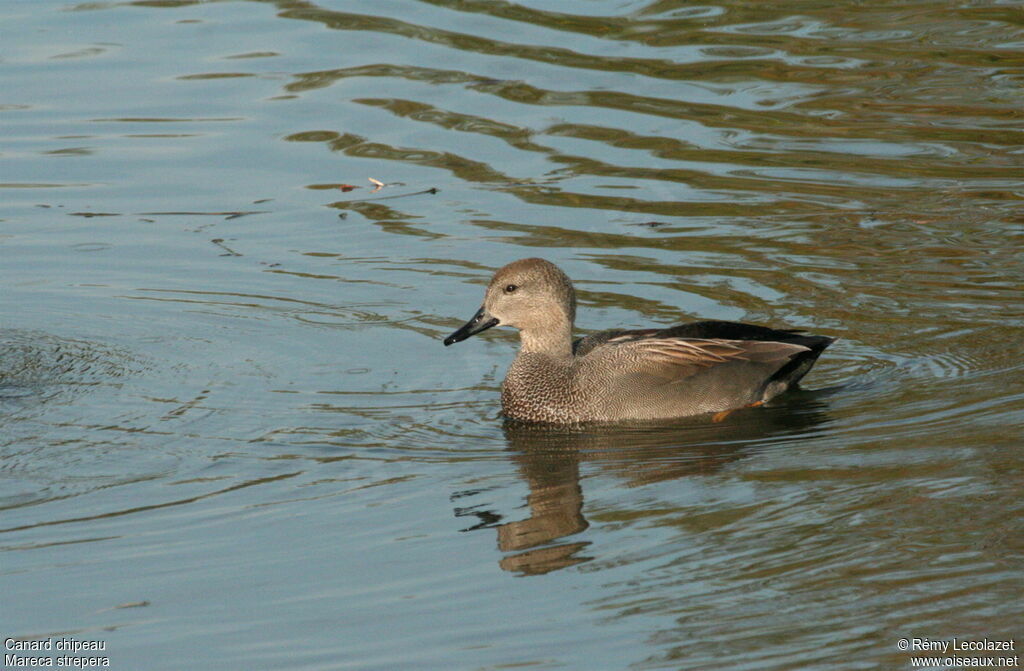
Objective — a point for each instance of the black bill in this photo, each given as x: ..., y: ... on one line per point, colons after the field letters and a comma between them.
x: 481, y: 321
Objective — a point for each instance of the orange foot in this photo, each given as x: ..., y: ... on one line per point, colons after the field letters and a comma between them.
x: 720, y: 416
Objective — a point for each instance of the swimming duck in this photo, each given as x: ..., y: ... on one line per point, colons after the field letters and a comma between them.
x: 618, y: 375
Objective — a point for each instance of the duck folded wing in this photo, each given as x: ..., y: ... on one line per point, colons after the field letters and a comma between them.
x: 674, y: 359
x: 664, y: 377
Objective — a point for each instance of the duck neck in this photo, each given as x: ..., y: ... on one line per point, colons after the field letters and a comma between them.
x: 556, y: 342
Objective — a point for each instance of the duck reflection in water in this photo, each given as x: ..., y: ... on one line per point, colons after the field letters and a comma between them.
x: 549, y: 458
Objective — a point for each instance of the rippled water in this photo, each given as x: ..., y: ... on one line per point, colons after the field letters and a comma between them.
x: 231, y: 437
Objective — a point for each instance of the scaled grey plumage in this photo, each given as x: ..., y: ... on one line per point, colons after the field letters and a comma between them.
x: 708, y: 366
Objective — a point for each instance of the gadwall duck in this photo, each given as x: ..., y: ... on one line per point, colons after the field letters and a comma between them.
x: 690, y: 369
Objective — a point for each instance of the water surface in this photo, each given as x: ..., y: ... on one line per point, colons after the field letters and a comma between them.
x: 231, y: 437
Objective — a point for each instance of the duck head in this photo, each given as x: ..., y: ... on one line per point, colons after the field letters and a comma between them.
x: 532, y: 295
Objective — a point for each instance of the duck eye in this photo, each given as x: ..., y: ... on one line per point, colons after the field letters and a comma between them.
x: 511, y: 288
